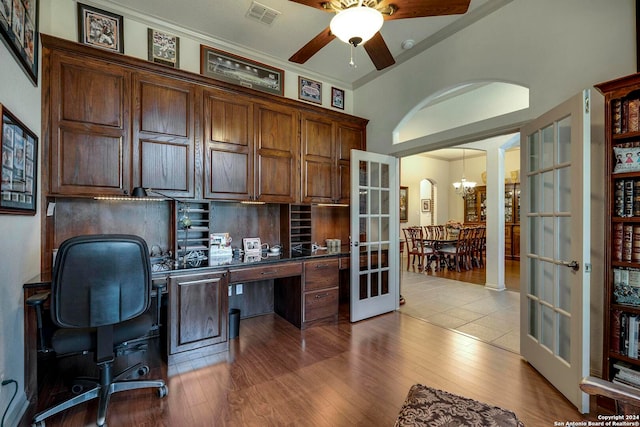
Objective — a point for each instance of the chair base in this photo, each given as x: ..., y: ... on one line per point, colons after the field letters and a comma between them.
x: 103, y: 389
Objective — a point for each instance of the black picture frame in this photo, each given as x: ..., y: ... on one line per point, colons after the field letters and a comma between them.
x: 18, y: 188
x: 426, y: 205
x: 404, y: 204
x: 337, y: 98
x: 309, y: 90
x: 241, y: 71
x: 101, y: 29
x: 19, y: 31
x: 164, y: 48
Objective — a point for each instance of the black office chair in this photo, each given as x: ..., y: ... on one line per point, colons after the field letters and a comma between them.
x: 100, y: 295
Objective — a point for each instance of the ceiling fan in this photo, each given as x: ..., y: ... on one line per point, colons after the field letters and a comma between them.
x: 350, y: 29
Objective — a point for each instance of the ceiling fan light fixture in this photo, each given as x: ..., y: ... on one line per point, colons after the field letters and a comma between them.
x: 356, y: 25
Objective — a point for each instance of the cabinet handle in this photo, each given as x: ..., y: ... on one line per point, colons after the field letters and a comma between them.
x: 269, y: 272
x: 322, y: 266
x: 318, y: 296
x: 196, y: 282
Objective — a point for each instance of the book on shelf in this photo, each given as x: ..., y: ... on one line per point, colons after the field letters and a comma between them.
x: 626, y: 374
x: 618, y: 233
x: 626, y: 285
x: 632, y: 120
x: 615, y: 330
x: 635, y: 244
x: 627, y: 242
x: 619, y: 198
x: 628, y: 197
x: 616, y: 122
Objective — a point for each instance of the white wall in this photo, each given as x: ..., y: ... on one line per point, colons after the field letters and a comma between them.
x: 20, y: 243
x: 555, y: 48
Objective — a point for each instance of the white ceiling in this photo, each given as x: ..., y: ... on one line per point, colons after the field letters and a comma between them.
x: 223, y: 24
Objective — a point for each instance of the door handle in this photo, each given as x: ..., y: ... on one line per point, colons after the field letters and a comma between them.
x: 572, y: 265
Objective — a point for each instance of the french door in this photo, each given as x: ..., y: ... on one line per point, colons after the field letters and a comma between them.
x: 375, y: 241
x: 555, y: 261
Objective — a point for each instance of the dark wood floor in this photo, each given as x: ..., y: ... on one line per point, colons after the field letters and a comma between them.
x: 337, y: 375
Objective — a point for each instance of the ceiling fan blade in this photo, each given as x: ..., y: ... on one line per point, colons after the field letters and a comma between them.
x: 316, y: 4
x: 379, y: 52
x: 422, y: 8
x: 311, y: 48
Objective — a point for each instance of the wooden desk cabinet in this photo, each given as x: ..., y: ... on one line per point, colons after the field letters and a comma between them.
x: 198, y: 307
x: 321, y: 290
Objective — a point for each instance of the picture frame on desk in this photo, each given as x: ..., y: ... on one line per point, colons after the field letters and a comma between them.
x: 241, y: 71
x: 18, y: 192
x: 101, y: 29
x: 252, y: 246
x: 19, y: 32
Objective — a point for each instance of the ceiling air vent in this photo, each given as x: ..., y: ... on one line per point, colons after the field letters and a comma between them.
x: 262, y: 13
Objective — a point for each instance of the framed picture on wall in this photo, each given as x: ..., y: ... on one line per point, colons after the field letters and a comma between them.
x: 426, y: 205
x: 404, y: 204
x: 163, y: 48
x: 337, y: 98
x: 309, y: 90
x: 99, y: 28
x: 19, y: 163
x: 19, y: 31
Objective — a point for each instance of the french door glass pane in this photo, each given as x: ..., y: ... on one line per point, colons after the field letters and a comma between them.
x: 534, y: 235
x: 533, y: 319
x: 548, y: 282
x: 375, y: 201
x: 547, y: 192
x: 547, y: 332
x: 564, y: 337
x: 534, y: 151
x: 564, y: 189
x: 564, y: 288
x: 564, y: 140
x: 384, y: 174
x: 534, y: 193
x: 548, y: 238
x: 534, y: 276
x: 547, y: 147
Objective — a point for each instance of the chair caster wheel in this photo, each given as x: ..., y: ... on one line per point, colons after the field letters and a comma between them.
x: 143, y: 370
x: 38, y: 424
x: 163, y: 391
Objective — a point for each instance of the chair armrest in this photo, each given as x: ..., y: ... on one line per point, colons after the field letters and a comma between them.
x: 618, y: 392
x: 38, y: 299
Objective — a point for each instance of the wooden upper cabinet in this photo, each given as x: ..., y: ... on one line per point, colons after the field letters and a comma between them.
x: 319, y: 171
x: 348, y: 136
x: 164, y: 135
x: 276, y: 153
x: 228, y: 136
x: 89, y: 151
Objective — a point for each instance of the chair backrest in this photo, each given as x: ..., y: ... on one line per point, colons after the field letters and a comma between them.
x: 414, y: 237
x: 100, y: 280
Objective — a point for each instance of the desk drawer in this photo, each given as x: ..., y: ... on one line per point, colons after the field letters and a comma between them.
x: 265, y: 272
x: 321, y: 304
x: 321, y: 274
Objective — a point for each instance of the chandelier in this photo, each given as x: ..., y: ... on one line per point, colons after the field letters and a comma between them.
x: 464, y: 187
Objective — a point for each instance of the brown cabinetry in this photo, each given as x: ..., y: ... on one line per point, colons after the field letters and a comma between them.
x: 164, y: 129
x: 326, y: 154
x: 276, y: 153
x: 89, y: 151
x: 198, y: 305
x: 475, y: 205
x: 228, y: 136
x: 321, y: 290
x: 621, y: 361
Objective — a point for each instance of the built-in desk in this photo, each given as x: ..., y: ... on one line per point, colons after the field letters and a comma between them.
x: 305, y: 291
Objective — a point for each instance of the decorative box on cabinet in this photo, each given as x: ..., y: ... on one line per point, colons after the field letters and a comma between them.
x: 198, y: 310
x: 621, y: 360
x: 89, y: 150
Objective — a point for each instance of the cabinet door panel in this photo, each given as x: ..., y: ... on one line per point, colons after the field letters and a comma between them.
x: 164, y: 135
x: 347, y: 138
x: 89, y: 151
x: 228, y: 129
x: 92, y: 95
x: 277, y: 150
x: 198, y: 305
x: 318, y: 160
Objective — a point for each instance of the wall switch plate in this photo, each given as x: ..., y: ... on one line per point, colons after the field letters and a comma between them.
x: 239, y: 289
x: 230, y: 290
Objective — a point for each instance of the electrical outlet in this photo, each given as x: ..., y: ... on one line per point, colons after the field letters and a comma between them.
x: 239, y: 289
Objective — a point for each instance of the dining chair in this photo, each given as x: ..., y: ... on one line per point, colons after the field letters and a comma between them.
x: 416, y: 248
x: 457, y: 255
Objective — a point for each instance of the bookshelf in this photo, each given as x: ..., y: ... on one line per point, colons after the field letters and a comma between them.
x: 621, y: 357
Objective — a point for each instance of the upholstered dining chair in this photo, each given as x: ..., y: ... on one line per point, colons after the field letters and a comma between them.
x: 417, y: 249
x: 100, y: 298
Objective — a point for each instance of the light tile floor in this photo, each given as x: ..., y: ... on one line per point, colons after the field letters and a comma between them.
x: 490, y: 316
